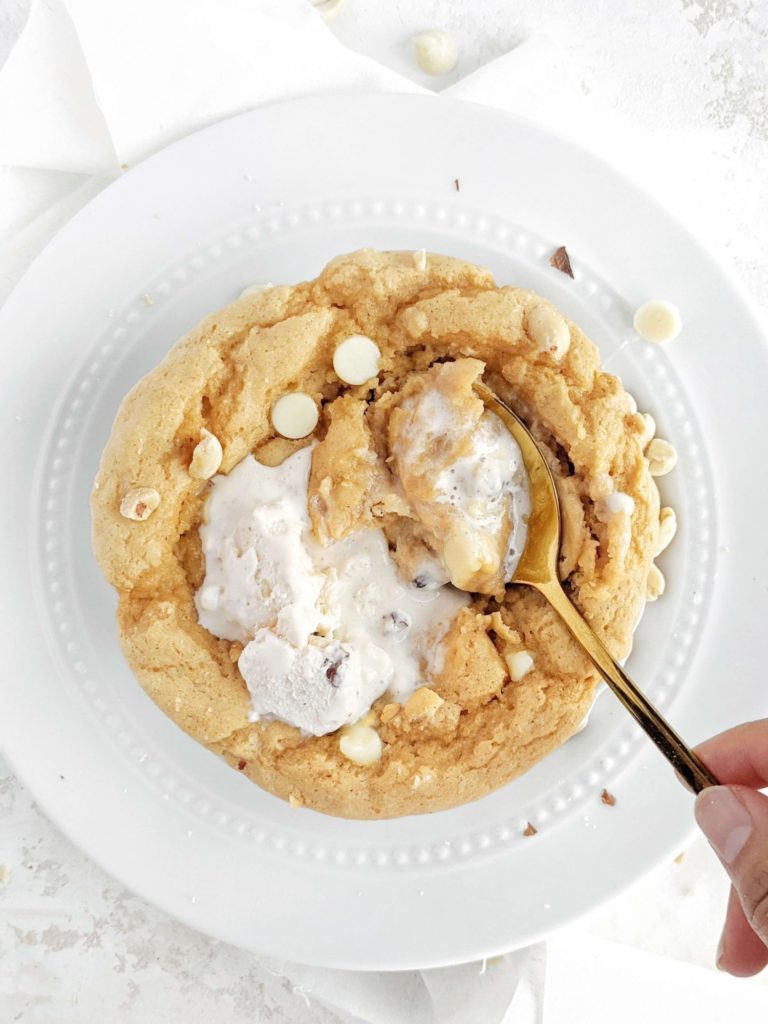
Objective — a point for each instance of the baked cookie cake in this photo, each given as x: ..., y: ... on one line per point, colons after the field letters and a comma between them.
x: 311, y: 522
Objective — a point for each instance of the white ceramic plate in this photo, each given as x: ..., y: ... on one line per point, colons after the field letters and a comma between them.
x: 271, y: 195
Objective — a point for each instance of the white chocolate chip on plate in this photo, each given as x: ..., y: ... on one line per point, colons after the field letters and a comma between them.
x: 436, y: 51
x: 656, y: 584
x: 519, y: 664
x: 254, y: 289
x: 139, y: 503
x: 360, y: 744
x: 356, y: 359
x: 207, y: 456
x: 667, y: 529
x: 294, y: 415
x: 657, y: 320
x: 548, y: 330
x: 662, y: 457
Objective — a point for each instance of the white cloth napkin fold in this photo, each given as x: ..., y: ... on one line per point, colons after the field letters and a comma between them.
x: 93, y: 86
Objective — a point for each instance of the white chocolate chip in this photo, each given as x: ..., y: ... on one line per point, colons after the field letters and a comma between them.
x: 356, y: 359
x: 436, y: 51
x: 656, y: 584
x: 207, y: 456
x: 360, y: 744
x: 466, y: 555
x: 254, y: 289
x: 139, y: 504
x: 661, y: 456
x: 420, y: 259
x: 548, y: 330
x: 631, y: 402
x: 667, y: 529
x: 618, y: 504
x: 519, y: 664
x: 649, y: 430
x: 658, y: 320
x: 294, y: 415
x: 328, y: 9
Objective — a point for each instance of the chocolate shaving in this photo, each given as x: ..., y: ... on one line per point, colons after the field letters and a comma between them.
x: 421, y: 582
x: 333, y: 667
x: 561, y: 261
x: 456, y: 184
x: 530, y: 831
x: 608, y: 798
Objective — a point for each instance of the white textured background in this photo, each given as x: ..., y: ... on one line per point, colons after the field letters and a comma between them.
x: 685, y: 82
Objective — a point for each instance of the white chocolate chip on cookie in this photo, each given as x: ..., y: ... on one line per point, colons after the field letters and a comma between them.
x: 657, y: 320
x: 420, y: 259
x: 356, y: 359
x: 662, y: 457
x: 294, y: 415
x: 139, y: 504
x: 255, y: 289
x: 648, y: 430
x: 422, y: 703
x: 618, y: 504
x: 519, y: 664
x: 656, y: 584
x: 436, y: 51
x: 360, y: 744
x: 207, y: 456
x: 667, y: 529
x: 548, y: 330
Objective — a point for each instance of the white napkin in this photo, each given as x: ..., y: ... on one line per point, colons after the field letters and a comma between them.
x: 93, y: 86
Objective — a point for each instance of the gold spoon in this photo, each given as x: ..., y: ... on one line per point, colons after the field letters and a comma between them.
x: 538, y: 568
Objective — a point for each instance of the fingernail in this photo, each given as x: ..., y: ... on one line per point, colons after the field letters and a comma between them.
x: 724, y: 820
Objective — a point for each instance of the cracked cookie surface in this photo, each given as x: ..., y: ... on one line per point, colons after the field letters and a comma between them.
x: 479, y: 728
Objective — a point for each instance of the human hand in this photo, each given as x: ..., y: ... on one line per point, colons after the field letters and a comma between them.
x: 734, y: 818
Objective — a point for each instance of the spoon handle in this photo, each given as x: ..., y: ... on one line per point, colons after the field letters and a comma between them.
x: 681, y: 757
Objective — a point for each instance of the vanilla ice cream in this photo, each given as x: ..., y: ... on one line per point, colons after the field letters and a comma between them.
x: 326, y: 630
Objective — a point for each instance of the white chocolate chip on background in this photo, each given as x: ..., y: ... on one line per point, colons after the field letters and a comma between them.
x: 294, y: 415
x: 667, y: 529
x: 656, y: 584
x: 139, y: 503
x: 328, y: 9
x: 356, y: 359
x: 548, y: 330
x: 662, y: 457
x: 360, y: 744
x: 255, y: 289
x: 519, y: 664
x: 658, y: 320
x: 207, y: 456
x: 436, y: 51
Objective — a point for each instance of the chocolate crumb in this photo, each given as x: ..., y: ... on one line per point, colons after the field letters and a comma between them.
x: 561, y: 261
x: 241, y: 765
x: 608, y: 798
x: 420, y: 582
x: 333, y: 667
x: 530, y: 831
x: 456, y: 184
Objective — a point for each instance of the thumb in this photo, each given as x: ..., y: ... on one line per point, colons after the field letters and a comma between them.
x: 735, y: 821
